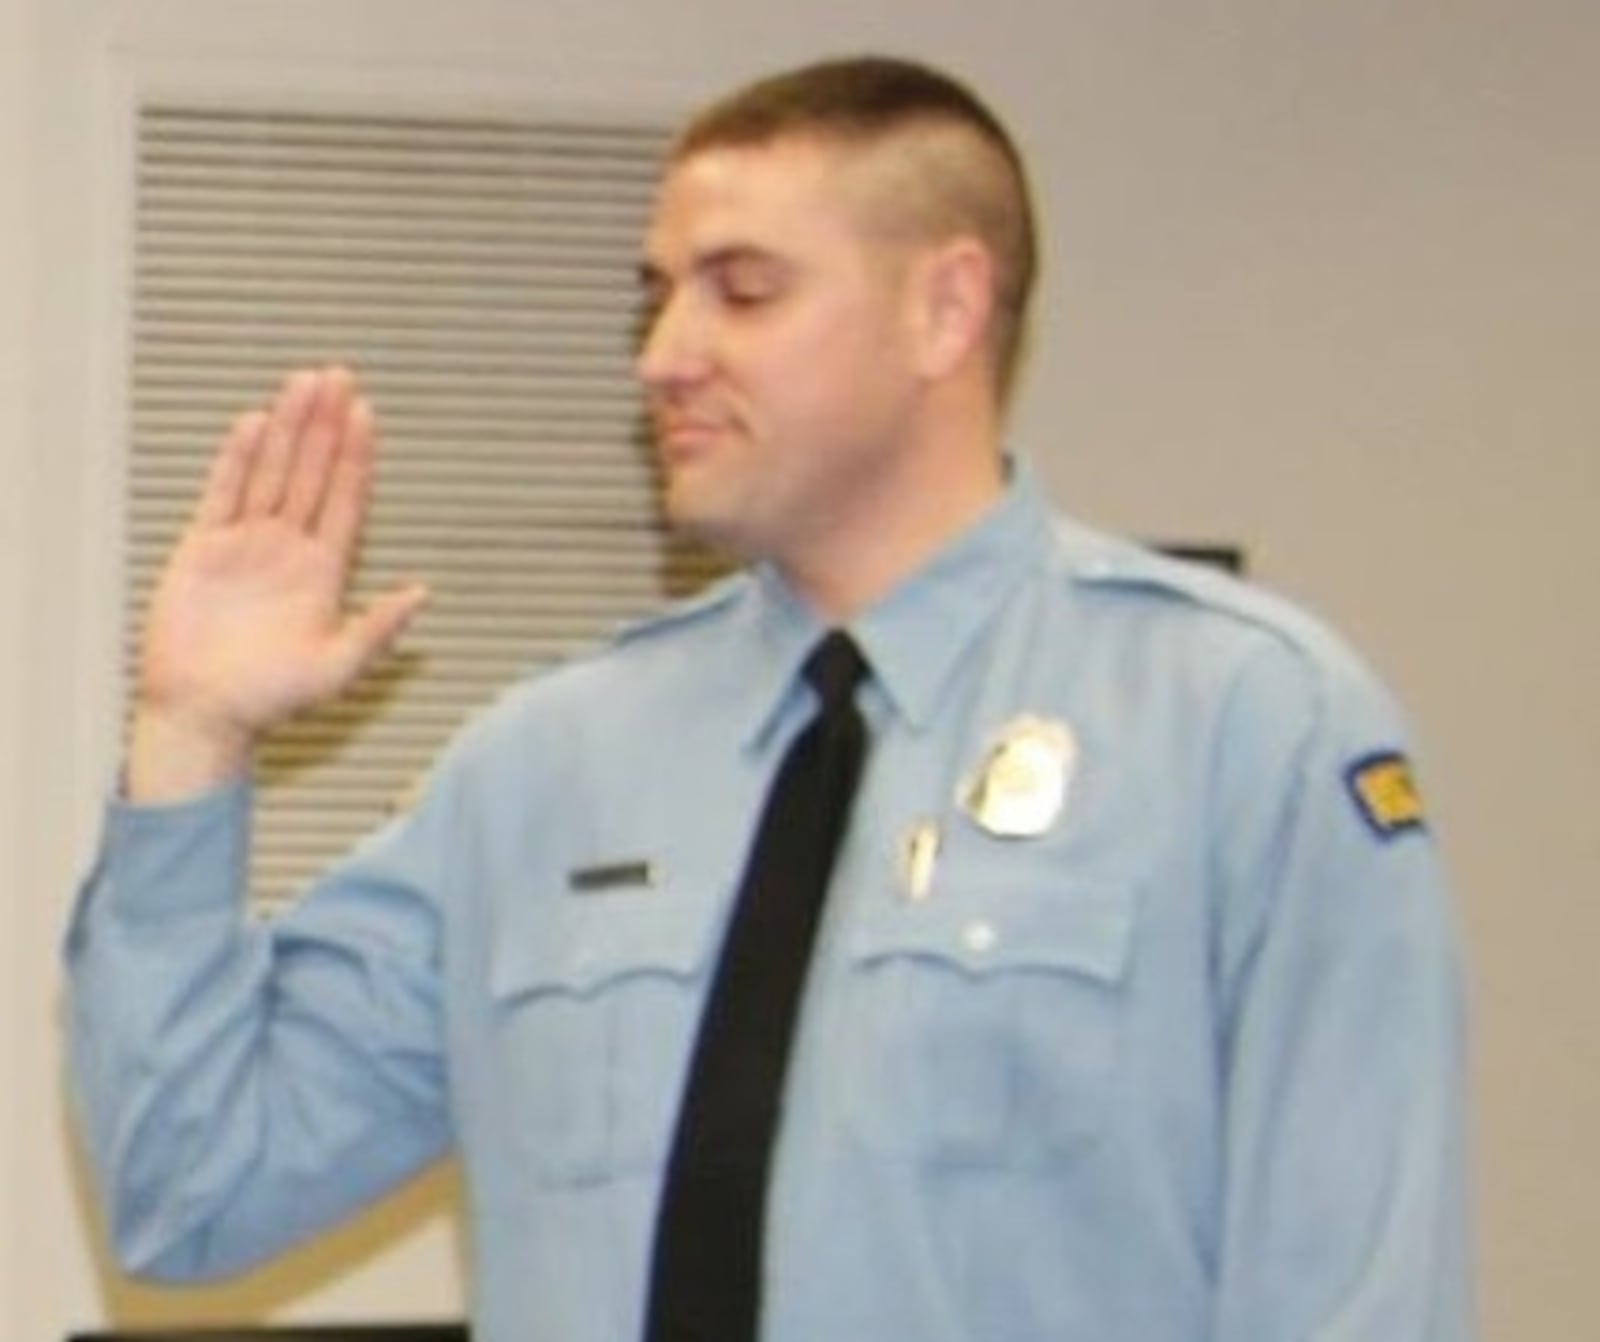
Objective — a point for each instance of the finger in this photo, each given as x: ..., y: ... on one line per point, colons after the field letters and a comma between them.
x: 223, y: 494
x: 344, y: 504
x: 313, y: 464
x: 265, y: 486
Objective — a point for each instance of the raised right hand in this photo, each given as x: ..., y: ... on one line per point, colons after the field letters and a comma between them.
x: 247, y: 624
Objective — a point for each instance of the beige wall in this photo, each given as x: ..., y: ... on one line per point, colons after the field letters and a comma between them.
x: 1323, y: 278
x: 14, y: 36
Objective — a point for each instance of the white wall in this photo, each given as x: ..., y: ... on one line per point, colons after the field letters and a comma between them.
x: 1322, y: 278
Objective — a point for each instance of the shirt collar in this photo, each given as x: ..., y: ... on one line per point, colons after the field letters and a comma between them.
x: 918, y: 633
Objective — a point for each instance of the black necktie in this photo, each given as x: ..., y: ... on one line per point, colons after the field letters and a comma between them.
x: 706, y: 1276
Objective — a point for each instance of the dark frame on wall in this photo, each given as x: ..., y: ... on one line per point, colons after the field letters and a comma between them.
x: 1229, y: 558
x: 349, y: 1332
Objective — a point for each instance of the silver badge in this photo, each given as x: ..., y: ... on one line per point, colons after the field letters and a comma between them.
x: 1021, y: 786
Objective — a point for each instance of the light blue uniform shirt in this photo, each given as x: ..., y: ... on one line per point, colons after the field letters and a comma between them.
x: 1184, y: 1065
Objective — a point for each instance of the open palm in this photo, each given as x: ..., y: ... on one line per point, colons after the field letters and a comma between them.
x: 248, y: 623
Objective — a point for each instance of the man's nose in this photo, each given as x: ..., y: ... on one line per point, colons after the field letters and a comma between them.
x: 673, y: 348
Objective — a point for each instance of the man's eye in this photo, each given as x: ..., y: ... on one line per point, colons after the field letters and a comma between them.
x: 747, y: 295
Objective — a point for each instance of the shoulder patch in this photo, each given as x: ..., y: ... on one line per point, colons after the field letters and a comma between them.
x: 1385, y: 793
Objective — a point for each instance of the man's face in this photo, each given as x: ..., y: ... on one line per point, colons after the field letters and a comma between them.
x: 776, y: 363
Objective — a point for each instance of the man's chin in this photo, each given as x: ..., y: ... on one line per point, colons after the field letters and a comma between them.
x: 695, y: 520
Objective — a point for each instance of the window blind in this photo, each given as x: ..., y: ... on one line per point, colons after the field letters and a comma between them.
x: 481, y: 277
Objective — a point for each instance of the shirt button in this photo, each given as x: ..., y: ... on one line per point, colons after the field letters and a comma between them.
x: 979, y: 937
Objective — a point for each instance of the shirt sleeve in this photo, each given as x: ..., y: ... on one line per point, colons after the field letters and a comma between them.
x: 1346, y: 1205
x: 243, y: 1083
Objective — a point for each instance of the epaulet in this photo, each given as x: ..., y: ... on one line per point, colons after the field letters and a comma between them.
x: 681, y: 613
x: 1096, y: 560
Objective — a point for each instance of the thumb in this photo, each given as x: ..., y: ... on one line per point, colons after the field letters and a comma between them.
x: 367, y: 634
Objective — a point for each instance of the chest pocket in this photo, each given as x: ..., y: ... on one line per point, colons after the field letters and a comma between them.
x: 594, y: 1000
x: 986, y: 1019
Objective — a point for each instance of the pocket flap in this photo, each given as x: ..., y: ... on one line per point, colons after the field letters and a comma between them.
x: 577, y: 943
x: 1048, y: 923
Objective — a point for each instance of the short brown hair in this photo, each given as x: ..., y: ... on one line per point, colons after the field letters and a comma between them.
x: 971, y: 177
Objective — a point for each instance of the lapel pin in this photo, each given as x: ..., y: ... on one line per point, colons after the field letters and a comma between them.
x: 919, y: 856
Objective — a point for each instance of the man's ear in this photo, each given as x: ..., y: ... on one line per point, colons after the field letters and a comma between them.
x: 953, y: 297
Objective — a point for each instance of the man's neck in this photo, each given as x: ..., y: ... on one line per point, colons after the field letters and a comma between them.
x: 856, y: 565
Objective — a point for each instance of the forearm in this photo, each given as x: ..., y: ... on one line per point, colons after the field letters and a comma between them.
x: 229, y: 1078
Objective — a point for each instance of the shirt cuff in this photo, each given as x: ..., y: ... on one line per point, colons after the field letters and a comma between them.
x: 172, y: 858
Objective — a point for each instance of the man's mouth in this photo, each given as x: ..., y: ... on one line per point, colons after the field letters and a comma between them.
x: 680, y: 437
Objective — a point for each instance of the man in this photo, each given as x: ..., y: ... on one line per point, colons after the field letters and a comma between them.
x: 1133, y: 1015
